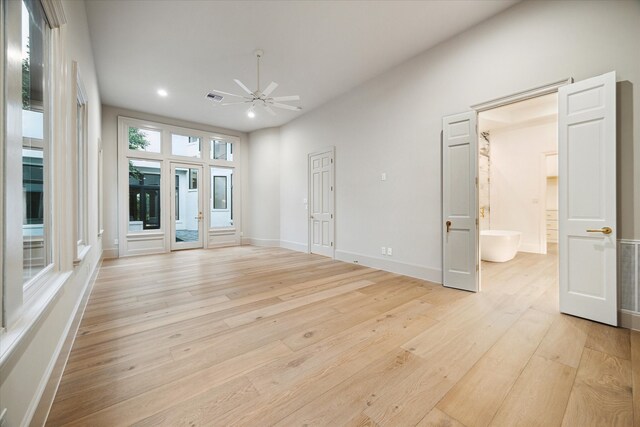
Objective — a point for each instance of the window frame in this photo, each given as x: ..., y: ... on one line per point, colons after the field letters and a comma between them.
x: 24, y: 303
x: 80, y: 233
x: 159, y: 240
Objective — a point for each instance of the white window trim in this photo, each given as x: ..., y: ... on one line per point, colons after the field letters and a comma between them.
x: 30, y: 303
x: 80, y: 167
x: 158, y: 241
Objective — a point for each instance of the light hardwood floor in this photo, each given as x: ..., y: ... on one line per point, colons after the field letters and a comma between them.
x: 261, y: 336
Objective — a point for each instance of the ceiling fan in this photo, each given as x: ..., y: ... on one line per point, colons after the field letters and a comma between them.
x: 257, y: 97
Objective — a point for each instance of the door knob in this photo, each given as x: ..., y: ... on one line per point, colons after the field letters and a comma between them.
x: 448, y: 224
x: 199, y: 217
x: 603, y: 230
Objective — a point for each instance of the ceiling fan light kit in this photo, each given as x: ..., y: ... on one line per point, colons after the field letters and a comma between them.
x: 257, y: 97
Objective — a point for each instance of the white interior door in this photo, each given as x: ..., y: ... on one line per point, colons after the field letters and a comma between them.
x: 187, y: 215
x: 321, y: 204
x: 587, y: 198
x: 459, y: 201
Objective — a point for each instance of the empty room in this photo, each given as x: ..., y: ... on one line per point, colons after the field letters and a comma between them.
x: 320, y: 213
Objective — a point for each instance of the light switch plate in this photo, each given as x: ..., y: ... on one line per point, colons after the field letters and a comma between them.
x: 389, y: 251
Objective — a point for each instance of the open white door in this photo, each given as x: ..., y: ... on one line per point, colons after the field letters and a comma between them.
x: 460, y: 217
x: 587, y: 198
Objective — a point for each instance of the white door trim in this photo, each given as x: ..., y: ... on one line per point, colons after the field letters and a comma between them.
x: 331, y: 149
x: 522, y: 96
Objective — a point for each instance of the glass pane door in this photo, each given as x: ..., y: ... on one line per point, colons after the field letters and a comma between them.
x: 187, y: 215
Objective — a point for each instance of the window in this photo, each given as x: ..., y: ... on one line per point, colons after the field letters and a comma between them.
x: 221, y: 197
x: 81, y: 163
x: 219, y: 192
x: 177, y: 197
x: 193, y: 179
x: 188, y: 146
x: 221, y: 150
x: 144, y: 140
x: 144, y: 195
x: 36, y: 180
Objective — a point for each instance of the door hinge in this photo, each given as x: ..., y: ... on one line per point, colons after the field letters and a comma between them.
x: 331, y: 161
x: 477, y: 267
x: 476, y: 181
x: 477, y: 222
x: 331, y: 243
x: 331, y: 216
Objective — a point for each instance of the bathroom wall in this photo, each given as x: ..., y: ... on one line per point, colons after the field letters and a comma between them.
x: 484, y: 187
x: 518, y: 180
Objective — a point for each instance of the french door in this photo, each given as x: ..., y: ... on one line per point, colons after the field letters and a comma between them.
x: 187, y: 213
x: 587, y: 190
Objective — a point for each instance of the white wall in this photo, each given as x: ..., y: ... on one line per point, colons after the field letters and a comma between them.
x: 518, y: 180
x: 25, y: 375
x: 263, y: 226
x: 110, y: 148
x: 392, y: 123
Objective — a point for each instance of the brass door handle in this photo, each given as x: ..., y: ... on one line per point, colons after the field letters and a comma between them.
x: 199, y: 217
x: 448, y: 224
x: 603, y: 230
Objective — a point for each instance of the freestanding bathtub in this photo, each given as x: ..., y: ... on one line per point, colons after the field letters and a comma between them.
x: 499, y: 245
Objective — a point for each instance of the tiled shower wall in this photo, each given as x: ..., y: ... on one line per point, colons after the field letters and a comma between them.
x: 629, y: 274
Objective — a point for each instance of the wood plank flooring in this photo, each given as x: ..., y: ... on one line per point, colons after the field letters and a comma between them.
x: 249, y: 336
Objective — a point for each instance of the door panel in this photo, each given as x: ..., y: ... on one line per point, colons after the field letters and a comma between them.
x: 187, y: 217
x: 321, y: 208
x: 459, y: 199
x: 587, y: 199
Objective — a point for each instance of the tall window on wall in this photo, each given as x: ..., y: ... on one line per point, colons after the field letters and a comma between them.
x: 81, y: 163
x: 36, y: 182
x: 25, y: 160
x: 144, y: 181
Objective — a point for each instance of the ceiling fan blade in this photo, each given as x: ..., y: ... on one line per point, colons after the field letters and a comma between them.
x: 285, y: 106
x: 272, y: 86
x: 269, y: 110
x: 227, y: 93
x: 246, y: 89
x: 286, y: 98
x: 235, y: 103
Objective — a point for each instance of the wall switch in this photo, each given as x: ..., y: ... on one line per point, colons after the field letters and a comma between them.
x: 384, y: 176
x: 115, y: 241
x: 389, y: 251
x: 304, y: 201
x: 384, y: 250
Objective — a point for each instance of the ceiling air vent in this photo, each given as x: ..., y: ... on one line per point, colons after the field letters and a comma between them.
x: 215, y: 97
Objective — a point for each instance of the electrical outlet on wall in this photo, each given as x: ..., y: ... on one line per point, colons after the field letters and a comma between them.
x: 389, y: 251
x: 384, y: 176
x: 383, y: 250
x: 115, y: 241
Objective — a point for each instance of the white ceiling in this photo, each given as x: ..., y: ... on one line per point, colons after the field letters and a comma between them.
x: 531, y: 110
x: 317, y: 50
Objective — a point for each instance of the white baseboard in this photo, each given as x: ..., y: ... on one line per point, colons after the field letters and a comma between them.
x: 420, y: 272
x: 630, y: 320
x: 110, y: 253
x: 271, y: 243
x: 294, y: 246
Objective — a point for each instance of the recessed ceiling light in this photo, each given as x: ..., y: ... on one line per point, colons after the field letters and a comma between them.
x: 251, y: 113
x: 162, y: 92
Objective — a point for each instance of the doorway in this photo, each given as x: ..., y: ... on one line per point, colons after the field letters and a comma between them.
x: 586, y: 193
x: 517, y: 193
x: 187, y: 217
